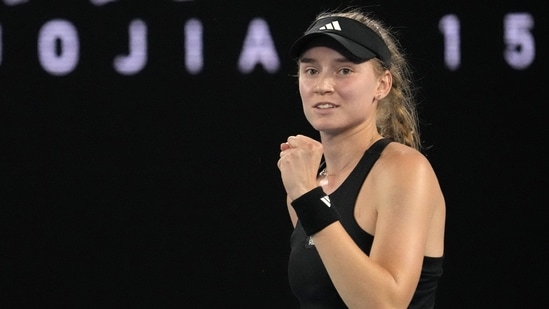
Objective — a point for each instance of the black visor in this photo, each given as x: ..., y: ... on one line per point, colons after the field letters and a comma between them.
x: 359, y: 43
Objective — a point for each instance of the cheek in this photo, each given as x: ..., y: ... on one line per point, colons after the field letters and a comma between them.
x: 302, y: 83
x: 359, y: 91
x: 304, y: 88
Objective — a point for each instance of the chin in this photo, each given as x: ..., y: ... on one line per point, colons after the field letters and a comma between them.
x: 327, y: 129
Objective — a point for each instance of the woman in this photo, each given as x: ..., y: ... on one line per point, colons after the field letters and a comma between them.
x: 366, y: 205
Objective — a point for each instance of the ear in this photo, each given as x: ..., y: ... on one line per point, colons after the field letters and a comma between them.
x: 384, y: 85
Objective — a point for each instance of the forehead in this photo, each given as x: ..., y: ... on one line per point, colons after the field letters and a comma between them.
x: 318, y: 53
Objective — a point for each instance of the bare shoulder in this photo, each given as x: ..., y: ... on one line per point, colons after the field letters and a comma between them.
x: 401, y: 159
x: 402, y: 171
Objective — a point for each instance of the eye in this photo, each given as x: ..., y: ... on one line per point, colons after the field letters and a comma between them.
x: 345, y: 71
x: 310, y: 71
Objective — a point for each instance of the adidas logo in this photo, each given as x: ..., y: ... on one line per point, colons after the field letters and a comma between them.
x: 326, y: 200
x: 331, y: 26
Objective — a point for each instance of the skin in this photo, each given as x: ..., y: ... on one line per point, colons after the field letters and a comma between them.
x: 400, y: 203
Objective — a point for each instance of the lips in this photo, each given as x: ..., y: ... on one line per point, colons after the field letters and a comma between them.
x: 324, y: 105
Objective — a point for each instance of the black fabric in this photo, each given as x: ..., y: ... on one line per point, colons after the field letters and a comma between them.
x: 308, y: 278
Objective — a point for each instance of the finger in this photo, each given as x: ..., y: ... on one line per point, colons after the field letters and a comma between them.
x: 279, y: 163
x: 292, y: 141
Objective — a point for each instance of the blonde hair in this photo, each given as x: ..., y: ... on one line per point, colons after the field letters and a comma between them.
x: 397, y: 117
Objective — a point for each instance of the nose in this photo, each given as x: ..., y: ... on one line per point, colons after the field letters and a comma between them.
x: 324, y: 85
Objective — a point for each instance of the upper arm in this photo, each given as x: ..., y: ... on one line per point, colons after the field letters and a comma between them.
x: 404, y: 204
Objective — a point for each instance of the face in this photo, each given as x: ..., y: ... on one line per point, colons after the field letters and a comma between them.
x: 337, y: 94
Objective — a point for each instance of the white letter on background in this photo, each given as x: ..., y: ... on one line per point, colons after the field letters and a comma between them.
x: 58, y: 47
x: 258, y: 48
x: 193, y: 46
x: 137, y: 57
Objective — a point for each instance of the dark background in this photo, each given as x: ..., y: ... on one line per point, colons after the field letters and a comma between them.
x: 160, y: 189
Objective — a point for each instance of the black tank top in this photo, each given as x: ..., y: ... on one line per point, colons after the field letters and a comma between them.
x: 308, y: 278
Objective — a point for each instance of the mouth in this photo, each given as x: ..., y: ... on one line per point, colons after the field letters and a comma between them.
x: 324, y: 105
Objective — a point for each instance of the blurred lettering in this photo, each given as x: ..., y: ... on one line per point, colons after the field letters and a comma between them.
x: 520, y: 47
x: 258, y: 49
x: 136, y: 59
x: 58, y: 47
x: 194, y: 58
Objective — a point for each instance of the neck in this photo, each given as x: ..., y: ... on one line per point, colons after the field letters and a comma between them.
x: 342, y: 154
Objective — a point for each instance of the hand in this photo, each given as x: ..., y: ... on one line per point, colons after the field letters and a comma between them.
x: 298, y: 164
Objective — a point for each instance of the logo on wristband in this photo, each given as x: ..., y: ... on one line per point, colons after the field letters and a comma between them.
x: 326, y: 200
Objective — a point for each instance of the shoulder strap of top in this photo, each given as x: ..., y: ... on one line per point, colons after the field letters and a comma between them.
x: 370, y: 155
x: 359, y: 173
x: 378, y: 146
x: 369, y: 158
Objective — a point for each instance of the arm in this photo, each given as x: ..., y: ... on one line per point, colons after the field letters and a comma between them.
x: 303, y: 162
x: 404, y: 195
x: 291, y: 212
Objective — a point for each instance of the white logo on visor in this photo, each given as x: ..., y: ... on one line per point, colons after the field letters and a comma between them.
x: 331, y: 26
